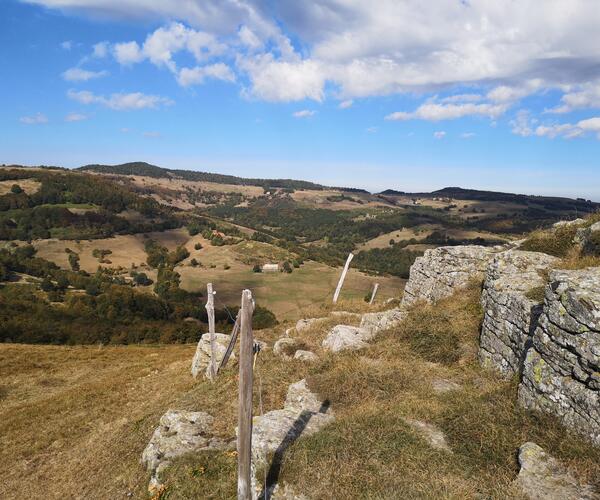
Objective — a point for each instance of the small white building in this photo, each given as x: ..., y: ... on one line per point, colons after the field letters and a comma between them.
x: 270, y: 268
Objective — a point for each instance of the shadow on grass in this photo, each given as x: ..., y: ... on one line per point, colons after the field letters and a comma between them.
x: 293, y: 433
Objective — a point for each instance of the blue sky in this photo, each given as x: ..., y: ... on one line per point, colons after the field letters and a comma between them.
x: 388, y: 94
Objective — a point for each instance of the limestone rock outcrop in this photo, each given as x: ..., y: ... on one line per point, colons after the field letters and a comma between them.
x: 376, y: 322
x: 178, y: 433
x: 441, y: 271
x: 561, y: 373
x: 202, y: 356
x: 542, y: 477
x: 286, y: 347
x: 308, y: 356
x: 346, y: 338
x: 510, y: 317
x: 303, y: 414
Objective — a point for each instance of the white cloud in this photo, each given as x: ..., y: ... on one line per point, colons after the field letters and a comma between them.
x: 433, y: 111
x: 128, y: 53
x: 346, y: 104
x: 372, y: 130
x: 75, y: 117
x: 467, y: 135
x: 197, y: 75
x: 282, y: 80
x: 82, y: 75
x: 67, y: 45
x: 152, y: 134
x: 522, y: 125
x: 462, y: 98
x: 508, y: 48
x: 440, y: 134
x: 120, y: 102
x: 587, y: 96
x: 305, y: 113
x: 100, y: 50
x: 34, y: 120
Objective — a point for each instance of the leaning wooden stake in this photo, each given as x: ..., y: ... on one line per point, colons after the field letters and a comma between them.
x: 210, y: 311
x: 342, y: 278
x: 373, y: 293
x: 244, y: 442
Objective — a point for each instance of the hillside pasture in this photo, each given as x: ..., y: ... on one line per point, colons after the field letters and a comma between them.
x: 30, y: 186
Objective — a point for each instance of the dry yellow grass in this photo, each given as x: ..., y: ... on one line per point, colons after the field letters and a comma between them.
x: 30, y: 186
x: 74, y: 420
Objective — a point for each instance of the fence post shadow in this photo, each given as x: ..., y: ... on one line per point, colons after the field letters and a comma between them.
x: 293, y: 433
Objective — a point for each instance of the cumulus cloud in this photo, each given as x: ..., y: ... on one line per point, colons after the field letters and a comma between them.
x: 82, y: 75
x: 587, y: 96
x: 346, y: 104
x: 522, y: 125
x: 36, y: 119
x: 525, y: 126
x: 505, y: 49
x: 433, y: 111
x: 75, y: 117
x: 305, y: 113
x: 100, y: 50
x: 120, y: 102
x: 440, y: 134
x: 128, y: 53
x: 197, y: 75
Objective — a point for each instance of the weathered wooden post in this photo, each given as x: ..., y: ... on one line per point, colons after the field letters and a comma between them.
x: 244, y: 441
x: 210, y: 311
x: 373, y: 293
x: 342, y: 278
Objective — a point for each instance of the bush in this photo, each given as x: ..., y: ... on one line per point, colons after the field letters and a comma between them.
x: 16, y: 189
x: 286, y: 267
x: 74, y: 261
x: 194, y: 263
x: 257, y: 268
x: 198, y: 246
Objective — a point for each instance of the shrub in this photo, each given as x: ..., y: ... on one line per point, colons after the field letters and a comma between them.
x: 198, y: 246
x: 286, y: 267
x: 257, y: 268
x: 16, y: 189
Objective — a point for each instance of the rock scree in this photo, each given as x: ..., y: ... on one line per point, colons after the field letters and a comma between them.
x: 542, y: 477
x: 562, y: 369
x: 510, y: 317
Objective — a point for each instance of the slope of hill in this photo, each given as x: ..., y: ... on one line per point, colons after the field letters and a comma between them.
x: 146, y: 169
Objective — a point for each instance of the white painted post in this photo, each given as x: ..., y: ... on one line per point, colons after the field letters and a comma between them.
x: 342, y: 278
x: 210, y: 311
x: 373, y: 293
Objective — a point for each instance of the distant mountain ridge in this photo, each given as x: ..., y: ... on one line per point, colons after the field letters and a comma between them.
x: 480, y: 195
x: 148, y: 170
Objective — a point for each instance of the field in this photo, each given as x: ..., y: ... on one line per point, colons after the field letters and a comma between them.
x: 30, y: 186
x: 74, y: 420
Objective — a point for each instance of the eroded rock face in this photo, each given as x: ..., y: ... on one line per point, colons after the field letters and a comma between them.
x: 510, y: 317
x: 441, y: 271
x: 346, y: 338
x: 568, y: 223
x: 584, y: 235
x: 308, y: 356
x: 542, y: 477
x: 303, y: 414
x: 202, y: 356
x: 305, y: 324
x: 562, y: 369
x: 380, y: 321
x: 178, y: 433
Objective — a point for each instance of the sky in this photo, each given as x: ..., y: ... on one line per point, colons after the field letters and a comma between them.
x: 402, y: 94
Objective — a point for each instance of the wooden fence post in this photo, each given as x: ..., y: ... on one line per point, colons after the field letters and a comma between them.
x: 373, y: 293
x: 244, y: 441
x: 342, y: 278
x: 210, y: 311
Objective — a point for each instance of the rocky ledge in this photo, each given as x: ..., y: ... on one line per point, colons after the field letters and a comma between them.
x: 510, y: 316
x: 561, y: 373
x: 441, y: 271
